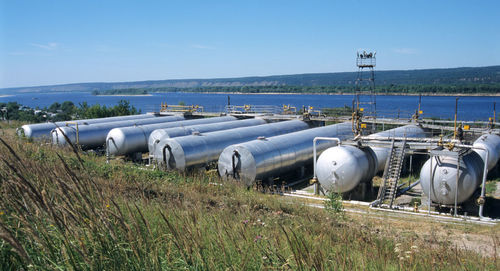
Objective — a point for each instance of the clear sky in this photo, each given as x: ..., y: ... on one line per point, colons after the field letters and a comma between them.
x: 54, y: 42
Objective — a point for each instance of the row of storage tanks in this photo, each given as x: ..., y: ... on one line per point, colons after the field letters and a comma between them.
x: 252, y: 149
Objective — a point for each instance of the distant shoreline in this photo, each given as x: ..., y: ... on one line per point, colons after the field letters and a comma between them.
x: 123, y: 95
x: 343, y: 94
x: 275, y: 93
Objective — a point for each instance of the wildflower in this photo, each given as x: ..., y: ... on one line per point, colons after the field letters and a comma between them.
x: 414, y: 248
x: 1, y: 213
x: 257, y: 238
x: 264, y: 258
x: 245, y: 221
x: 107, y: 205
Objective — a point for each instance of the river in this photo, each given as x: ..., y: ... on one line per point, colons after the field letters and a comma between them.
x: 469, y: 107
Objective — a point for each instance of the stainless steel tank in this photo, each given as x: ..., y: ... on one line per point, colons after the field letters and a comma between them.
x: 491, y: 142
x: 411, y: 131
x: 160, y: 134
x: 470, y: 171
x: 40, y: 130
x: 94, y: 135
x: 342, y: 168
x: 127, y: 140
x: 199, y: 150
x: 444, y: 181
x: 267, y: 158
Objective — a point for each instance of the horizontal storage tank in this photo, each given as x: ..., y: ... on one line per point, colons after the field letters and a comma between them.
x: 94, y: 136
x: 444, y: 170
x: 470, y: 171
x: 160, y: 134
x: 267, y: 158
x: 127, y: 140
x: 491, y: 142
x: 200, y: 150
x: 40, y: 130
x: 410, y: 131
x: 342, y: 168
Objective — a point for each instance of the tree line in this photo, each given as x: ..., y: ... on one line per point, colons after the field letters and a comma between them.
x: 64, y: 111
x: 339, y: 89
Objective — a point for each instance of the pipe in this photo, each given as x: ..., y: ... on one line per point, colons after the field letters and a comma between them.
x: 483, y: 187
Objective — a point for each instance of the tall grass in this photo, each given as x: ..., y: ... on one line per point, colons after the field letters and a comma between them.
x: 60, y: 211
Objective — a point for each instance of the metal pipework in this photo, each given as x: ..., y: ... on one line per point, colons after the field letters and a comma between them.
x: 199, y: 150
x: 277, y: 156
x: 382, y: 154
x: 41, y: 130
x: 160, y: 134
x: 128, y: 140
x: 94, y: 136
x: 342, y: 168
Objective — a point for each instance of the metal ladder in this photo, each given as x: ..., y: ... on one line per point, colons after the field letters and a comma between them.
x: 392, y: 174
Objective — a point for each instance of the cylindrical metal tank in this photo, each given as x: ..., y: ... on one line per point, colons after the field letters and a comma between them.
x: 160, y: 134
x: 126, y: 140
x: 470, y: 172
x: 342, y: 168
x: 93, y: 136
x: 276, y: 156
x: 410, y: 131
x: 491, y: 142
x: 444, y: 181
x: 40, y: 130
x: 199, y: 150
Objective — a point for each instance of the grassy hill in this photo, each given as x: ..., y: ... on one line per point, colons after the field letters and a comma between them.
x: 471, y: 76
x: 65, y: 210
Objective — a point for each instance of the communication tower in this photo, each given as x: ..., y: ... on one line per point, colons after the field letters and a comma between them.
x: 365, y: 103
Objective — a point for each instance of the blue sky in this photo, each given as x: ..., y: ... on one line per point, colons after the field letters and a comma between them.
x: 55, y: 42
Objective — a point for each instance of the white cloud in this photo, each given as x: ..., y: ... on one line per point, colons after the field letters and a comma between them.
x: 406, y: 51
x: 48, y: 46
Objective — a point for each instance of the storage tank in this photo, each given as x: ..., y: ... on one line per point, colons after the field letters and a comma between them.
x: 444, y: 170
x: 40, y: 130
x: 93, y: 136
x: 199, y: 150
x: 127, y: 140
x: 159, y: 134
x: 342, y: 168
x: 267, y: 158
x: 470, y: 171
x: 491, y: 142
x: 411, y: 131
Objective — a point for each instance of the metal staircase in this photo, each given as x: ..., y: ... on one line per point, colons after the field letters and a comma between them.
x: 388, y: 189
